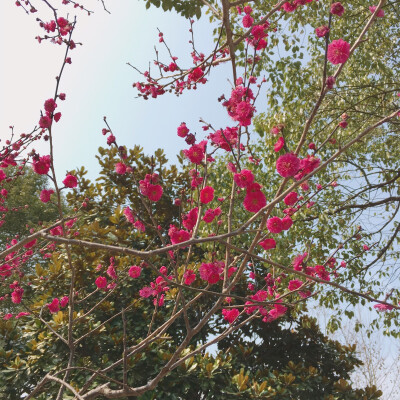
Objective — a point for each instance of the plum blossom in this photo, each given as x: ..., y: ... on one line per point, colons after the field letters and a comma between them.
x: 287, y: 165
x: 338, y: 51
x: 135, y: 271
x: 268, y: 244
x: 230, y: 315
x: 207, y: 195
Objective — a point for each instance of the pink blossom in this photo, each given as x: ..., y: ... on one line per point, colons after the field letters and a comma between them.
x: 146, y: 292
x: 291, y: 199
x: 337, y: 9
x: 277, y: 311
x: 16, y: 295
x: 243, y: 113
x: 330, y: 82
x: 30, y: 244
x: 230, y: 315
x: 274, y: 225
x: 189, y: 277
x: 54, y: 306
x: 225, y: 139
x: 178, y: 236
x: 207, y: 195
x: 45, y: 122
x: 56, y: 231
x: 294, y: 284
x: 244, y: 178
x: 182, y: 130
x: 41, y: 165
x: 172, y: 67
x: 7, y: 316
x: 254, y: 200
x: 70, y: 181
x: 2, y: 177
x: 287, y: 165
x: 128, y: 215
x: 383, y: 307
x: 322, y: 273
x: 50, y: 105
x: 247, y: 9
x: 211, y: 272
x: 190, y: 219
x: 298, y: 261
x: 45, y: 195
x: 321, y: 31
x: 21, y: 314
x: 275, y: 130
x: 101, y: 282
x: 210, y: 214
x: 308, y: 165
x: 289, y: 7
x: 64, y: 301
x: 195, y: 75
x: 380, y: 13
x: 287, y: 222
x: 268, y: 244
x: 247, y: 21
x: 154, y: 192
x: 338, y: 51
x: 111, y: 272
x: 139, y: 225
x: 135, y: 271
x: 305, y: 186
x: 111, y: 140
x: 279, y: 144
x: 195, y: 154
x: 120, y: 168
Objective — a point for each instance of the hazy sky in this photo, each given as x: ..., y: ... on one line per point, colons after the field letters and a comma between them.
x: 99, y: 83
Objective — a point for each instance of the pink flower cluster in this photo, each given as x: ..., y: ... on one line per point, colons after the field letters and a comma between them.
x: 41, y: 165
x: 210, y: 214
x: 178, y: 235
x: 291, y: 6
x: 150, y: 189
x: 239, y: 105
x: 196, y: 153
x: 157, y: 288
x: 197, y: 180
x: 230, y: 315
x: 277, y: 225
x: 207, y: 195
x: 189, y: 220
x: 213, y: 272
x: 55, y: 305
x: 268, y: 244
x: 45, y: 121
x: 247, y: 19
x: 338, y: 51
x: 258, y: 36
x: 269, y: 314
x: 225, y: 139
x: 255, y: 199
x: 289, y: 165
